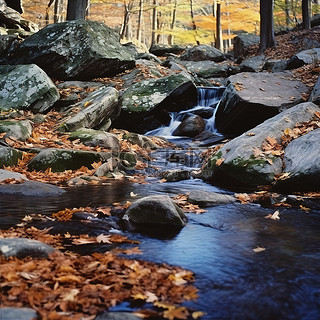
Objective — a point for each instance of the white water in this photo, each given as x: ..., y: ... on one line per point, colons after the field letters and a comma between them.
x: 208, y: 98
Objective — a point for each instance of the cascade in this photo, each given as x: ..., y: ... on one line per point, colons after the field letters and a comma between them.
x: 207, y: 100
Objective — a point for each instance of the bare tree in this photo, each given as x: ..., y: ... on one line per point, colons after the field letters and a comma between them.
x: 154, y: 22
x: 194, y: 26
x: 173, y: 22
x: 267, y: 39
x: 140, y: 21
x: 305, y: 14
x: 219, y: 42
x: 77, y: 9
x: 125, y: 30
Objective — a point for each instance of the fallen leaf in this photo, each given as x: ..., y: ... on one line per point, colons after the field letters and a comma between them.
x: 258, y: 249
x: 274, y: 216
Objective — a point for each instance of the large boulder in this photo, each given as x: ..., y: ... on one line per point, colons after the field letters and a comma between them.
x: 251, y: 98
x: 242, y: 42
x: 304, y: 57
x: 162, y: 50
x: 145, y: 105
x: 203, y: 52
x: 242, y: 162
x: 156, y: 210
x: 26, y: 87
x: 302, y: 163
x: 78, y: 49
x: 22, y: 247
x: 253, y: 64
x: 100, y: 105
x: 20, y: 130
x: 60, y: 160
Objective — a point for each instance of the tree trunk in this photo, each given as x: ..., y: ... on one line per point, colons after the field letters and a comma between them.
x: 173, y: 22
x: 59, y: 10
x: 154, y: 22
x: 125, y: 31
x: 194, y: 27
x: 267, y: 39
x: 305, y: 14
x: 287, y: 12
x: 77, y: 9
x: 140, y: 17
x: 219, y: 42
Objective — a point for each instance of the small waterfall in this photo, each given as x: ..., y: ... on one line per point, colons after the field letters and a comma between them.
x: 208, y: 100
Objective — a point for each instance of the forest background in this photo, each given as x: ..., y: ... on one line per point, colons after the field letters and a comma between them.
x: 181, y: 22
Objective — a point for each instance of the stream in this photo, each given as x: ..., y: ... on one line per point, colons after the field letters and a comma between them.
x: 234, y: 282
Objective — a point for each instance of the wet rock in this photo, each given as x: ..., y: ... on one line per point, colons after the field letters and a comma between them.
x: 6, y: 174
x: 140, y: 140
x: 203, y: 52
x: 100, y: 105
x: 251, y: 98
x: 190, y: 127
x: 242, y: 42
x: 20, y: 130
x: 253, y: 64
x: 60, y: 160
x: 304, y: 57
x: 26, y: 87
x: 31, y: 189
x: 117, y: 316
x: 179, y: 157
x: 175, y: 175
x: 12, y: 313
x: 207, y: 199
x: 237, y: 164
x: 128, y: 160
x: 22, y: 247
x: 145, y: 105
x: 75, y: 50
x: 97, y: 138
x: 9, y: 156
x: 156, y: 210
x: 206, y: 139
x: 302, y: 163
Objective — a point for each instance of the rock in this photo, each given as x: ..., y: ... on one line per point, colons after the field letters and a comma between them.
x: 275, y: 65
x: 140, y: 140
x: 315, y: 94
x: 203, y: 52
x: 100, y: 105
x: 128, y: 160
x: 117, y: 316
x: 240, y: 162
x: 253, y: 64
x: 251, y: 98
x: 149, y: 56
x: 20, y: 130
x: 156, y: 210
x: 5, y: 174
x: 26, y: 87
x: 75, y: 50
x: 207, y: 199
x: 22, y: 247
x: 190, y: 127
x: 162, y: 50
x: 60, y: 160
x: 9, y: 156
x: 12, y: 313
x: 109, y: 166
x: 145, y: 105
x: 97, y: 138
x: 206, y: 139
x: 302, y: 162
x: 15, y: 5
x: 9, y: 17
x: 175, y: 175
x: 304, y: 57
x: 31, y: 189
x: 242, y: 42
x: 5, y: 43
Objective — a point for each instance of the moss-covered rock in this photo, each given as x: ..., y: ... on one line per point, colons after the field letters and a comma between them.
x: 9, y: 156
x: 20, y: 130
x: 60, y: 160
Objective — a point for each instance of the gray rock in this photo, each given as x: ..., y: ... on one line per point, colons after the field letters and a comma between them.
x: 60, y: 160
x: 190, y: 127
x: 156, y: 210
x: 9, y: 156
x: 239, y: 166
x: 253, y: 64
x: 12, y: 313
x: 302, y: 162
x: 203, y: 52
x: 20, y: 130
x: 22, y: 247
x: 79, y: 84
x: 304, y: 57
x: 275, y: 65
x: 207, y: 199
x: 97, y: 138
x: 315, y: 94
x: 26, y: 87
x: 117, y: 316
x: 6, y: 174
x: 175, y: 175
x: 31, y: 189
x: 75, y: 50
x: 251, y: 98
x: 140, y: 140
x: 92, y: 111
x: 109, y: 166
x: 162, y: 50
x: 242, y: 42
x: 5, y: 43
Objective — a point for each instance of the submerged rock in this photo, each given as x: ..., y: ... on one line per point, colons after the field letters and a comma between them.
x: 26, y: 87
x: 208, y: 199
x: 156, y: 210
x: 22, y: 247
x: 78, y: 49
x: 241, y: 161
x: 175, y: 175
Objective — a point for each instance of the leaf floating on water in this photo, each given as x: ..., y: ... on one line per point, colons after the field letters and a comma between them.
x: 274, y: 216
x: 197, y: 315
x: 132, y: 194
x: 258, y: 249
x: 103, y: 238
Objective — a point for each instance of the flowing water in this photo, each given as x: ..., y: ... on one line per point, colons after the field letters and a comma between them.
x: 234, y: 282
